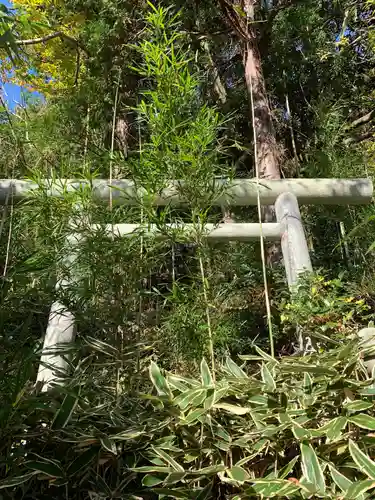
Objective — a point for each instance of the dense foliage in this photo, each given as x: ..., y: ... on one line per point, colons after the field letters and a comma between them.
x: 156, y: 91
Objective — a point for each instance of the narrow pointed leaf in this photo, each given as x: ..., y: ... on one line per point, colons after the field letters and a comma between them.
x: 342, y: 482
x: 82, y: 461
x: 237, y: 410
x: 64, y: 413
x: 15, y: 481
x: 159, y: 381
x: 364, y: 421
x: 364, y: 462
x: 311, y: 468
x: 206, y: 374
x: 356, y: 490
x: 267, y: 378
x: 48, y: 468
x: 238, y: 474
x: 234, y: 369
x: 150, y: 480
x: 167, y: 458
x: 358, y: 405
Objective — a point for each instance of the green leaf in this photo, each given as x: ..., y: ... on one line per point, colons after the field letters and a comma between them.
x: 311, y: 468
x: 305, y: 368
x: 173, y: 478
x: 16, y: 481
x: 170, y: 493
x: 194, y: 396
x: 234, y: 369
x: 167, y: 458
x: 48, y: 468
x: 109, y: 445
x: 159, y: 380
x: 273, y: 488
x: 205, y: 493
x: 356, y: 490
x: 238, y: 474
x: 152, y: 468
x: 265, y: 356
x: 364, y: 421
x: 193, y: 416
x: 82, y: 461
x: 237, y: 410
x: 206, y: 374
x: 210, y: 399
x: 64, y: 413
x: 358, y: 405
x: 287, y: 469
x: 268, y: 379
x: 333, y: 429
x: 365, y: 464
x: 342, y: 482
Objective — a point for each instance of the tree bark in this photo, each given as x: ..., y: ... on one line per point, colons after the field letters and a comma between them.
x: 267, y: 151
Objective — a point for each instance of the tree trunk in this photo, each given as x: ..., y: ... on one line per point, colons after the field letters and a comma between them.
x: 267, y: 156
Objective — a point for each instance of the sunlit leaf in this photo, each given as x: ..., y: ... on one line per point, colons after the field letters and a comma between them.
x: 364, y: 462
x: 311, y: 468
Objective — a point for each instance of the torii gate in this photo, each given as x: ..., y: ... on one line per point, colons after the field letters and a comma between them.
x: 286, y: 194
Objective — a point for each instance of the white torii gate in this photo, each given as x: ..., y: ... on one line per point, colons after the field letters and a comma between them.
x: 286, y: 194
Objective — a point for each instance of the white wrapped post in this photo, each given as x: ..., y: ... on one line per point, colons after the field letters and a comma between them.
x: 367, y: 337
x: 60, y: 329
x: 293, y: 240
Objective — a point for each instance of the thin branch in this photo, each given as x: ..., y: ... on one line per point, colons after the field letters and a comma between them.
x: 363, y: 119
x: 359, y: 138
x: 51, y: 36
x: 42, y: 39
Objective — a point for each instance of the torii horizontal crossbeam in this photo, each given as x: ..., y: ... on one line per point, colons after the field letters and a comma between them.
x: 237, y: 192
x: 212, y: 232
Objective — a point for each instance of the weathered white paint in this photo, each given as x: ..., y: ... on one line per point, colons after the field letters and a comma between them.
x: 60, y: 330
x: 293, y: 240
x: 237, y: 192
x: 213, y: 232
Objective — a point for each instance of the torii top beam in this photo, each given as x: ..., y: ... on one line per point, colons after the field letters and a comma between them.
x: 237, y: 192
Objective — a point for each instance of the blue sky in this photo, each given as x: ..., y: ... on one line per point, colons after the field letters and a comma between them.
x: 12, y: 93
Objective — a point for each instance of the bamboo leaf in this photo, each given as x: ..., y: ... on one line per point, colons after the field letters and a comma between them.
x: 365, y: 464
x: 82, y: 461
x: 237, y: 410
x: 356, y: 490
x: 193, y: 416
x: 268, y: 379
x: 48, y: 468
x: 305, y: 368
x: 287, y: 469
x: 16, y: 481
x: 333, y: 429
x: 187, y: 398
x: 364, y: 421
x: 273, y: 488
x: 234, y: 369
x: 167, y: 458
x: 342, y: 482
x: 159, y: 381
x: 170, y: 493
x: 65, y: 412
x: 311, y: 468
x: 238, y: 474
x: 150, y: 480
x: 358, y: 405
x: 109, y: 445
x: 152, y: 468
x: 206, y: 374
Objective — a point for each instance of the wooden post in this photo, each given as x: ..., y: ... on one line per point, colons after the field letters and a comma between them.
x: 293, y: 240
x: 60, y: 332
